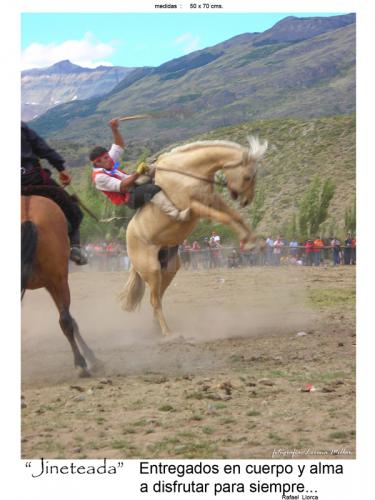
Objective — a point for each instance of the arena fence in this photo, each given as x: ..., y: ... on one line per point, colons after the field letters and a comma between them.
x: 233, y: 257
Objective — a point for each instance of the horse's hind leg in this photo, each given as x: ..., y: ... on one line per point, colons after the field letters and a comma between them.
x: 67, y: 326
x: 154, y: 281
x: 168, y: 273
x: 61, y: 298
x: 94, y: 363
x: 148, y: 266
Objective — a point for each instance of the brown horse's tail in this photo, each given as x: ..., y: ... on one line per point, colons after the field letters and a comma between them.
x: 133, y: 292
x: 29, y: 240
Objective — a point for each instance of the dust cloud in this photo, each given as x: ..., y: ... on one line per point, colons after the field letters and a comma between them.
x: 204, y: 308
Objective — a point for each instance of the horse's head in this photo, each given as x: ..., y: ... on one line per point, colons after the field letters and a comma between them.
x: 241, y: 174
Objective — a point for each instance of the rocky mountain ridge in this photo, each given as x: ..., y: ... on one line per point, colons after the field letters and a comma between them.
x: 44, y: 88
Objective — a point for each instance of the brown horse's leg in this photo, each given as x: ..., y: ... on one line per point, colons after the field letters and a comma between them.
x: 95, y: 363
x: 61, y: 297
x: 67, y: 326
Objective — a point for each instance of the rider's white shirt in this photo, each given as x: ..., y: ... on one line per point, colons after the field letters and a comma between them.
x: 105, y: 182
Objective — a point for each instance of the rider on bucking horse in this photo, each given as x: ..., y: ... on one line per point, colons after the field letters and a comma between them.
x: 121, y: 188
x: 36, y: 180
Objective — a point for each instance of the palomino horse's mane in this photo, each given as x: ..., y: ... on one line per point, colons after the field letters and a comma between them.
x: 203, y: 144
x: 256, y: 150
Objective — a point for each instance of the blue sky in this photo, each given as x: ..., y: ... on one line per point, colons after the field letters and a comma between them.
x: 131, y: 39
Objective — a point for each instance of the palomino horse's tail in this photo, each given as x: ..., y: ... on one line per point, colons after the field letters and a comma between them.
x: 29, y: 240
x: 133, y: 292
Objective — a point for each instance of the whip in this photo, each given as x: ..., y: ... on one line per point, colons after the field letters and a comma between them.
x: 172, y: 113
x: 90, y: 212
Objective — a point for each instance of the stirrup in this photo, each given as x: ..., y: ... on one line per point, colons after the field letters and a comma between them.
x: 78, y: 255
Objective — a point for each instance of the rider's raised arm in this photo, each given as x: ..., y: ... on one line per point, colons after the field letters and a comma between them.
x: 117, y: 137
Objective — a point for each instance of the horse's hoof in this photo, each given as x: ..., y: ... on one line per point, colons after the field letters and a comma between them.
x: 83, y: 372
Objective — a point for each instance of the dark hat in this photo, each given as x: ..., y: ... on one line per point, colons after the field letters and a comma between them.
x: 96, y: 152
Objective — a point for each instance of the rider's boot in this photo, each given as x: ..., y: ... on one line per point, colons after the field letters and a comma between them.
x: 77, y: 253
x: 166, y: 206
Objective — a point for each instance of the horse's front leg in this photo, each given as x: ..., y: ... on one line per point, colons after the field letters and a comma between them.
x: 225, y: 215
x: 220, y: 204
x: 61, y: 297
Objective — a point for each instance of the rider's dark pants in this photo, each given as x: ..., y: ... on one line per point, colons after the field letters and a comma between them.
x: 142, y: 194
x: 41, y: 184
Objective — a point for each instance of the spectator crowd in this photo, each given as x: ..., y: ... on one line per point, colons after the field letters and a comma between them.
x: 107, y: 256
x: 269, y: 252
x: 210, y: 253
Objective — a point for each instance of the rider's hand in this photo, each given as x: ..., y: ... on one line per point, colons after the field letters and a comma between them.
x: 114, y: 123
x: 65, y: 177
x: 142, y: 168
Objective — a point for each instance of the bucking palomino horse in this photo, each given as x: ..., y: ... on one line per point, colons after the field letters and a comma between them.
x: 45, y: 263
x: 187, y: 175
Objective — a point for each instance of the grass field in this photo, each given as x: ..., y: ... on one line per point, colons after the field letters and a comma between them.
x: 253, y: 338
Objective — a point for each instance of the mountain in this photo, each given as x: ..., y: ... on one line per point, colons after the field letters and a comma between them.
x: 44, y: 88
x: 294, y: 29
x: 299, y: 68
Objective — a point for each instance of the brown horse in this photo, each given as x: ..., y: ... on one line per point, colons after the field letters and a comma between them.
x: 44, y: 264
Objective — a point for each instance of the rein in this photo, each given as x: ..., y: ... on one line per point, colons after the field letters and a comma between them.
x: 205, y: 179
x: 188, y: 174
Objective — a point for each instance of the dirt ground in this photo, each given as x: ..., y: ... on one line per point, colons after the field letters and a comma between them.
x: 253, y: 338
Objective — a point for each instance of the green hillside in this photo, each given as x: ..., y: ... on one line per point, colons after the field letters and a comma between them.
x: 298, y: 151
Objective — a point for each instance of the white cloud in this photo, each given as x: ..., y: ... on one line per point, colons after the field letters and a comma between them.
x: 87, y: 52
x: 188, y: 42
